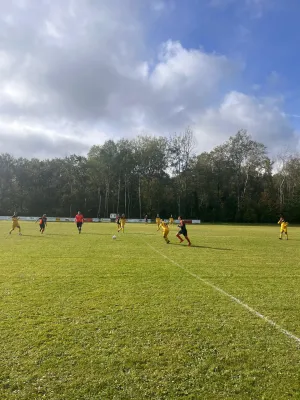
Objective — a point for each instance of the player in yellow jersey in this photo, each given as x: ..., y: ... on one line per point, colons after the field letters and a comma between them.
x: 158, y: 221
x: 283, y: 228
x: 171, y: 220
x: 122, y: 223
x: 165, y: 230
x: 15, y: 224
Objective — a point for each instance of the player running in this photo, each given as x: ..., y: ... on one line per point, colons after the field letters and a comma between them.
x: 283, y: 228
x: 165, y: 229
x: 158, y: 221
x: 122, y: 223
x: 42, y: 223
x: 79, y: 220
x: 15, y: 224
x: 183, y: 231
x: 118, y: 222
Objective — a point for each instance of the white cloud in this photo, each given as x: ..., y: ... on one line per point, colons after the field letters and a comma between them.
x: 77, y: 73
x: 261, y: 117
x: 180, y: 68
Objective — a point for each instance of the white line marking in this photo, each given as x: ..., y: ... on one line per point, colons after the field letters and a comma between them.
x: 235, y: 299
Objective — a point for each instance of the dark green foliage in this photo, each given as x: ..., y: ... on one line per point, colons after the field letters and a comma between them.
x: 235, y: 182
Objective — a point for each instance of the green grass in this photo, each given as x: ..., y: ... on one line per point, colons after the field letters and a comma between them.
x: 86, y: 317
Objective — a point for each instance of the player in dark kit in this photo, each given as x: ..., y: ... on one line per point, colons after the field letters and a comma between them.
x: 79, y: 219
x: 42, y: 223
x: 118, y: 222
x: 183, y: 231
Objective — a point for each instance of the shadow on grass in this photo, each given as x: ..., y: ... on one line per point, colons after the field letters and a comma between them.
x: 96, y: 234
x: 201, y: 247
x: 56, y: 234
x: 38, y: 235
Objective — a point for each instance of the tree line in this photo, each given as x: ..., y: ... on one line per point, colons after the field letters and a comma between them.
x: 235, y: 182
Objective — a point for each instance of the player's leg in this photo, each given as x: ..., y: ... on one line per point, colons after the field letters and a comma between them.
x: 166, y: 237
x: 19, y: 227
x: 187, y: 238
x: 280, y: 236
x: 286, y: 234
x: 179, y: 237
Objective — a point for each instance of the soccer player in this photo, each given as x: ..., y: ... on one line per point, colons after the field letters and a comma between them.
x: 165, y: 230
x: 183, y: 231
x: 171, y: 220
x: 15, y: 224
x: 118, y: 222
x: 283, y: 228
x: 122, y: 223
x: 79, y: 220
x: 42, y: 223
x: 158, y: 221
x: 146, y: 219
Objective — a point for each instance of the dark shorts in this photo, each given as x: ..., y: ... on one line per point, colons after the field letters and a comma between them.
x: 182, y: 232
x: 79, y: 224
x: 42, y: 226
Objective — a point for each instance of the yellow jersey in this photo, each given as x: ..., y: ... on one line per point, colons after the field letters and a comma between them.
x: 15, y: 221
x: 164, y: 226
x: 122, y: 221
x: 283, y: 225
x: 158, y: 220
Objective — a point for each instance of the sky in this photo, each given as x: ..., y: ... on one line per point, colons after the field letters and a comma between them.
x: 76, y: 73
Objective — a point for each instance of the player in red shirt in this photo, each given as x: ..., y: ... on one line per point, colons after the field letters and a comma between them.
x: 42, y: 223
x: 79, y: 219
x: 183, y: 231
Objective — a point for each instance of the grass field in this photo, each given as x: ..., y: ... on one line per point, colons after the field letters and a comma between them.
x: 86, y: 317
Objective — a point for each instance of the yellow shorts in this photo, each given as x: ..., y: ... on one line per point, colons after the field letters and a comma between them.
x: 165, y: 233
x: 283, y: 231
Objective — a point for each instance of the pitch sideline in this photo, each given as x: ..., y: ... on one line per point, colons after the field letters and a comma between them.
x: 235, y: 299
